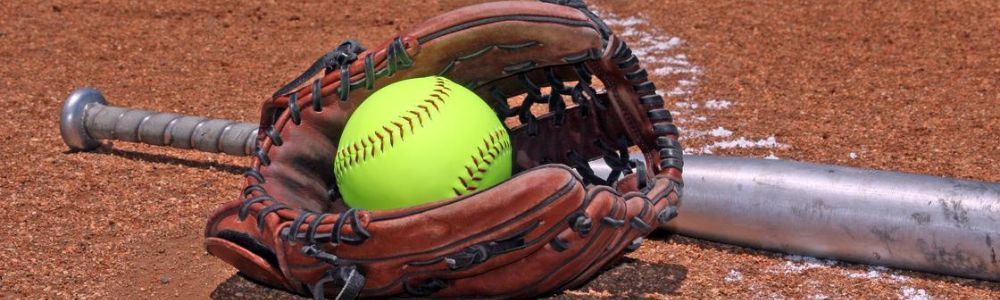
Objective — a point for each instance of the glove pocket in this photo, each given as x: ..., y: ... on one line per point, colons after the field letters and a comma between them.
x: 421, y: 250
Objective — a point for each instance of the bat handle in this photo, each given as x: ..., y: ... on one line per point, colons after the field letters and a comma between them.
x: 87, y: 118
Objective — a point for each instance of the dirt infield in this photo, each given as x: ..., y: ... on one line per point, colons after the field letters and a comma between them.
x: 896, y: 85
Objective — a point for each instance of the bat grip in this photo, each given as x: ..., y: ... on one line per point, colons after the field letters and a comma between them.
x: 86, y: 119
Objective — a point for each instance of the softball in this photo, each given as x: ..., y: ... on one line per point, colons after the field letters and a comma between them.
x: 417, y: 141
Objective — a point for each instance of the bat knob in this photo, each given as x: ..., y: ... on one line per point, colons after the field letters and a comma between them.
x: 71, y: 119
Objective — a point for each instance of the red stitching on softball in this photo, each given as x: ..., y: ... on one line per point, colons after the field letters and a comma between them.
x: 381, y: 141
x: 400, y: 126
x: 495, y: 145
x: 392, y: 140
x: 347, y: 157
x: 420, y: 119
x: 410, y: 121
x: 426, y: 110
x: 355, y: 153
x: 433, y: 103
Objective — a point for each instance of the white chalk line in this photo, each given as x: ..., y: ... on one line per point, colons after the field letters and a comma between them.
x: 659, y: 52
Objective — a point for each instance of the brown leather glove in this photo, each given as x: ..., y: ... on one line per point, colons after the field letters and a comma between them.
x: 569, y: 91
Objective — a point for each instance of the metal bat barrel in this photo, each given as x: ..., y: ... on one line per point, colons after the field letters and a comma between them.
x: 86, y: 119
x: 918, y: 222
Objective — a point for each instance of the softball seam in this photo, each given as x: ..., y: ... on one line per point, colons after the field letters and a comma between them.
x: 365, y: 148
x: 495, y: 144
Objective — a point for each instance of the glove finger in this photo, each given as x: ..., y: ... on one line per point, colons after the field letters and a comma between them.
x: 645, y: 212
x: 630, y: 237
x: 237, y: 243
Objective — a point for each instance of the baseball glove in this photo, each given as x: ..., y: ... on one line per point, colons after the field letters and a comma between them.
x: 568, y: 90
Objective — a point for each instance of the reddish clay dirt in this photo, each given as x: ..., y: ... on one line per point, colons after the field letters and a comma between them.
x: 910, y: 86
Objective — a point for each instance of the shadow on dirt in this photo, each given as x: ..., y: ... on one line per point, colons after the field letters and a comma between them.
x: 631, y: 278
x: 239, y: 287
x: 623, y: 279
x: 164, y: 159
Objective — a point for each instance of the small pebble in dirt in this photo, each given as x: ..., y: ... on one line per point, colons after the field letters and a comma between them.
x: 853, y: 155
x: 733, y: 276
x: 164, y: 280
